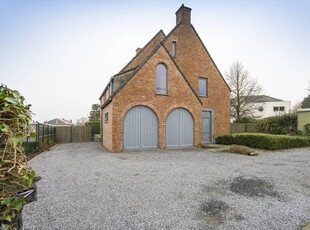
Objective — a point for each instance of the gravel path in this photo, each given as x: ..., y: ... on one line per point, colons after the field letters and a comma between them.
x: 85, y: 187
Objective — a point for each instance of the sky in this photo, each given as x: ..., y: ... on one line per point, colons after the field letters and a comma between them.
x: 61, y: 54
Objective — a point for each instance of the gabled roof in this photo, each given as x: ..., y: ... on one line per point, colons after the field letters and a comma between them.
x: 171, y: 32
x: 135, y: 69
x: 142, y: 64
x: 265, y: 98
x: 210, y: 57
x: 161, y: 32
x: 57, y: 121
x: 141, y: 52
x: 129, y: 76
x: 258, y: 99
x: 126, y: 73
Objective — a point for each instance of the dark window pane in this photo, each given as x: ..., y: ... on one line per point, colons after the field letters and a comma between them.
x: 174, y: 48
x: 106, y: 117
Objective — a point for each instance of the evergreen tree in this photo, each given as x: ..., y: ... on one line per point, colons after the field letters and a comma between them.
x: 95, y: 112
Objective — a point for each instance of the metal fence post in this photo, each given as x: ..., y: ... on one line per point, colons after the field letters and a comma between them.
x: 37, y: 132
x: 43, y: 135
x: 71, y: 134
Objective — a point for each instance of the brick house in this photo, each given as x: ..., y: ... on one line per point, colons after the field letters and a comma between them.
x: 170, y: 95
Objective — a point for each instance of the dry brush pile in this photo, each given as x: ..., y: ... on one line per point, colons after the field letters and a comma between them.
x: 15, y: 174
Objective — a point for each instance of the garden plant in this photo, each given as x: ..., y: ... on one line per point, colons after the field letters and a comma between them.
x: 15, y: 174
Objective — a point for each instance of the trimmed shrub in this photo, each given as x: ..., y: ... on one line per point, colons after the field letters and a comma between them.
x: 264, y: 141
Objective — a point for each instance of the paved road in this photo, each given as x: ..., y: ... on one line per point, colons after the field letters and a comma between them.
x: 85, y: 187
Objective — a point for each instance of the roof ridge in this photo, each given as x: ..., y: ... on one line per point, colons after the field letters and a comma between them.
x: 123, y: 69
x: 174, y: 28
x: 161, y: 44
x: 133, y: 73
x: 269, y: 97
x: 210, y: 56
x: 144, y: 47
x: 115, y: 75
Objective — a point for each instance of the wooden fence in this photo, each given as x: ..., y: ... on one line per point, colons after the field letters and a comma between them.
x: 73, y: 134
x: 243, y: 128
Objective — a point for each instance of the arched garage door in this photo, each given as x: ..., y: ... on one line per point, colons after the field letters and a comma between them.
x: 179, y: 128
x: 140, y: 128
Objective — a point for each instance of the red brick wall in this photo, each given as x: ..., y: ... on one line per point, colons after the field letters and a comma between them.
x: 195, y: 62
x: 140, y: 90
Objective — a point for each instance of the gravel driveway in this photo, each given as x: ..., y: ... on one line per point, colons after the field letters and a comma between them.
x: 84, y: 186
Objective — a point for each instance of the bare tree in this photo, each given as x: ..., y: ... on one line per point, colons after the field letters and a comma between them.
x: 244, y: 91
x: 81, y: 121
x: 296, y: 107
x: 306, y: 102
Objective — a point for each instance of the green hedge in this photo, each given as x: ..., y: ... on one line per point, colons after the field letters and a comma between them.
x: 95, y: 126
x: 264, y: 141
x: 285, y: 124
x: 307, y: 129
x: 30, y: 147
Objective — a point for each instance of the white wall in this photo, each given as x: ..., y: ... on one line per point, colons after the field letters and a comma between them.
x: 268, y: 109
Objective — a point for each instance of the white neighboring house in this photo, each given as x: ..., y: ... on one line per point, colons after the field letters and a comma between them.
x: 269, y: 106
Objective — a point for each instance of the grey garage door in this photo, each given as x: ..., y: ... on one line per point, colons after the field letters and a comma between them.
x: 179, y: 128
x: 140, y: 128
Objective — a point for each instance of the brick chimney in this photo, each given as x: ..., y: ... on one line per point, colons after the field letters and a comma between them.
x: 183, y: 14
x: 138, y: 50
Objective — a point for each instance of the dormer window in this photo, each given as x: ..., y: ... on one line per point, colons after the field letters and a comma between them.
x: 174, y: 48
x: 161, y: 79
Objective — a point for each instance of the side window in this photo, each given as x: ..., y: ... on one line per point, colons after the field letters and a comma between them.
x: 161, y: 79
x: 203, y: 87
x: 106, y: 117
x: 174, y: 48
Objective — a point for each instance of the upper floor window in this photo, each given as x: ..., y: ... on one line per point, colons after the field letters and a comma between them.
x: 106, y: 117
x: 203, y: 87
x: 161, y: 79
x: 278, y: 108
x: 174, y: 48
